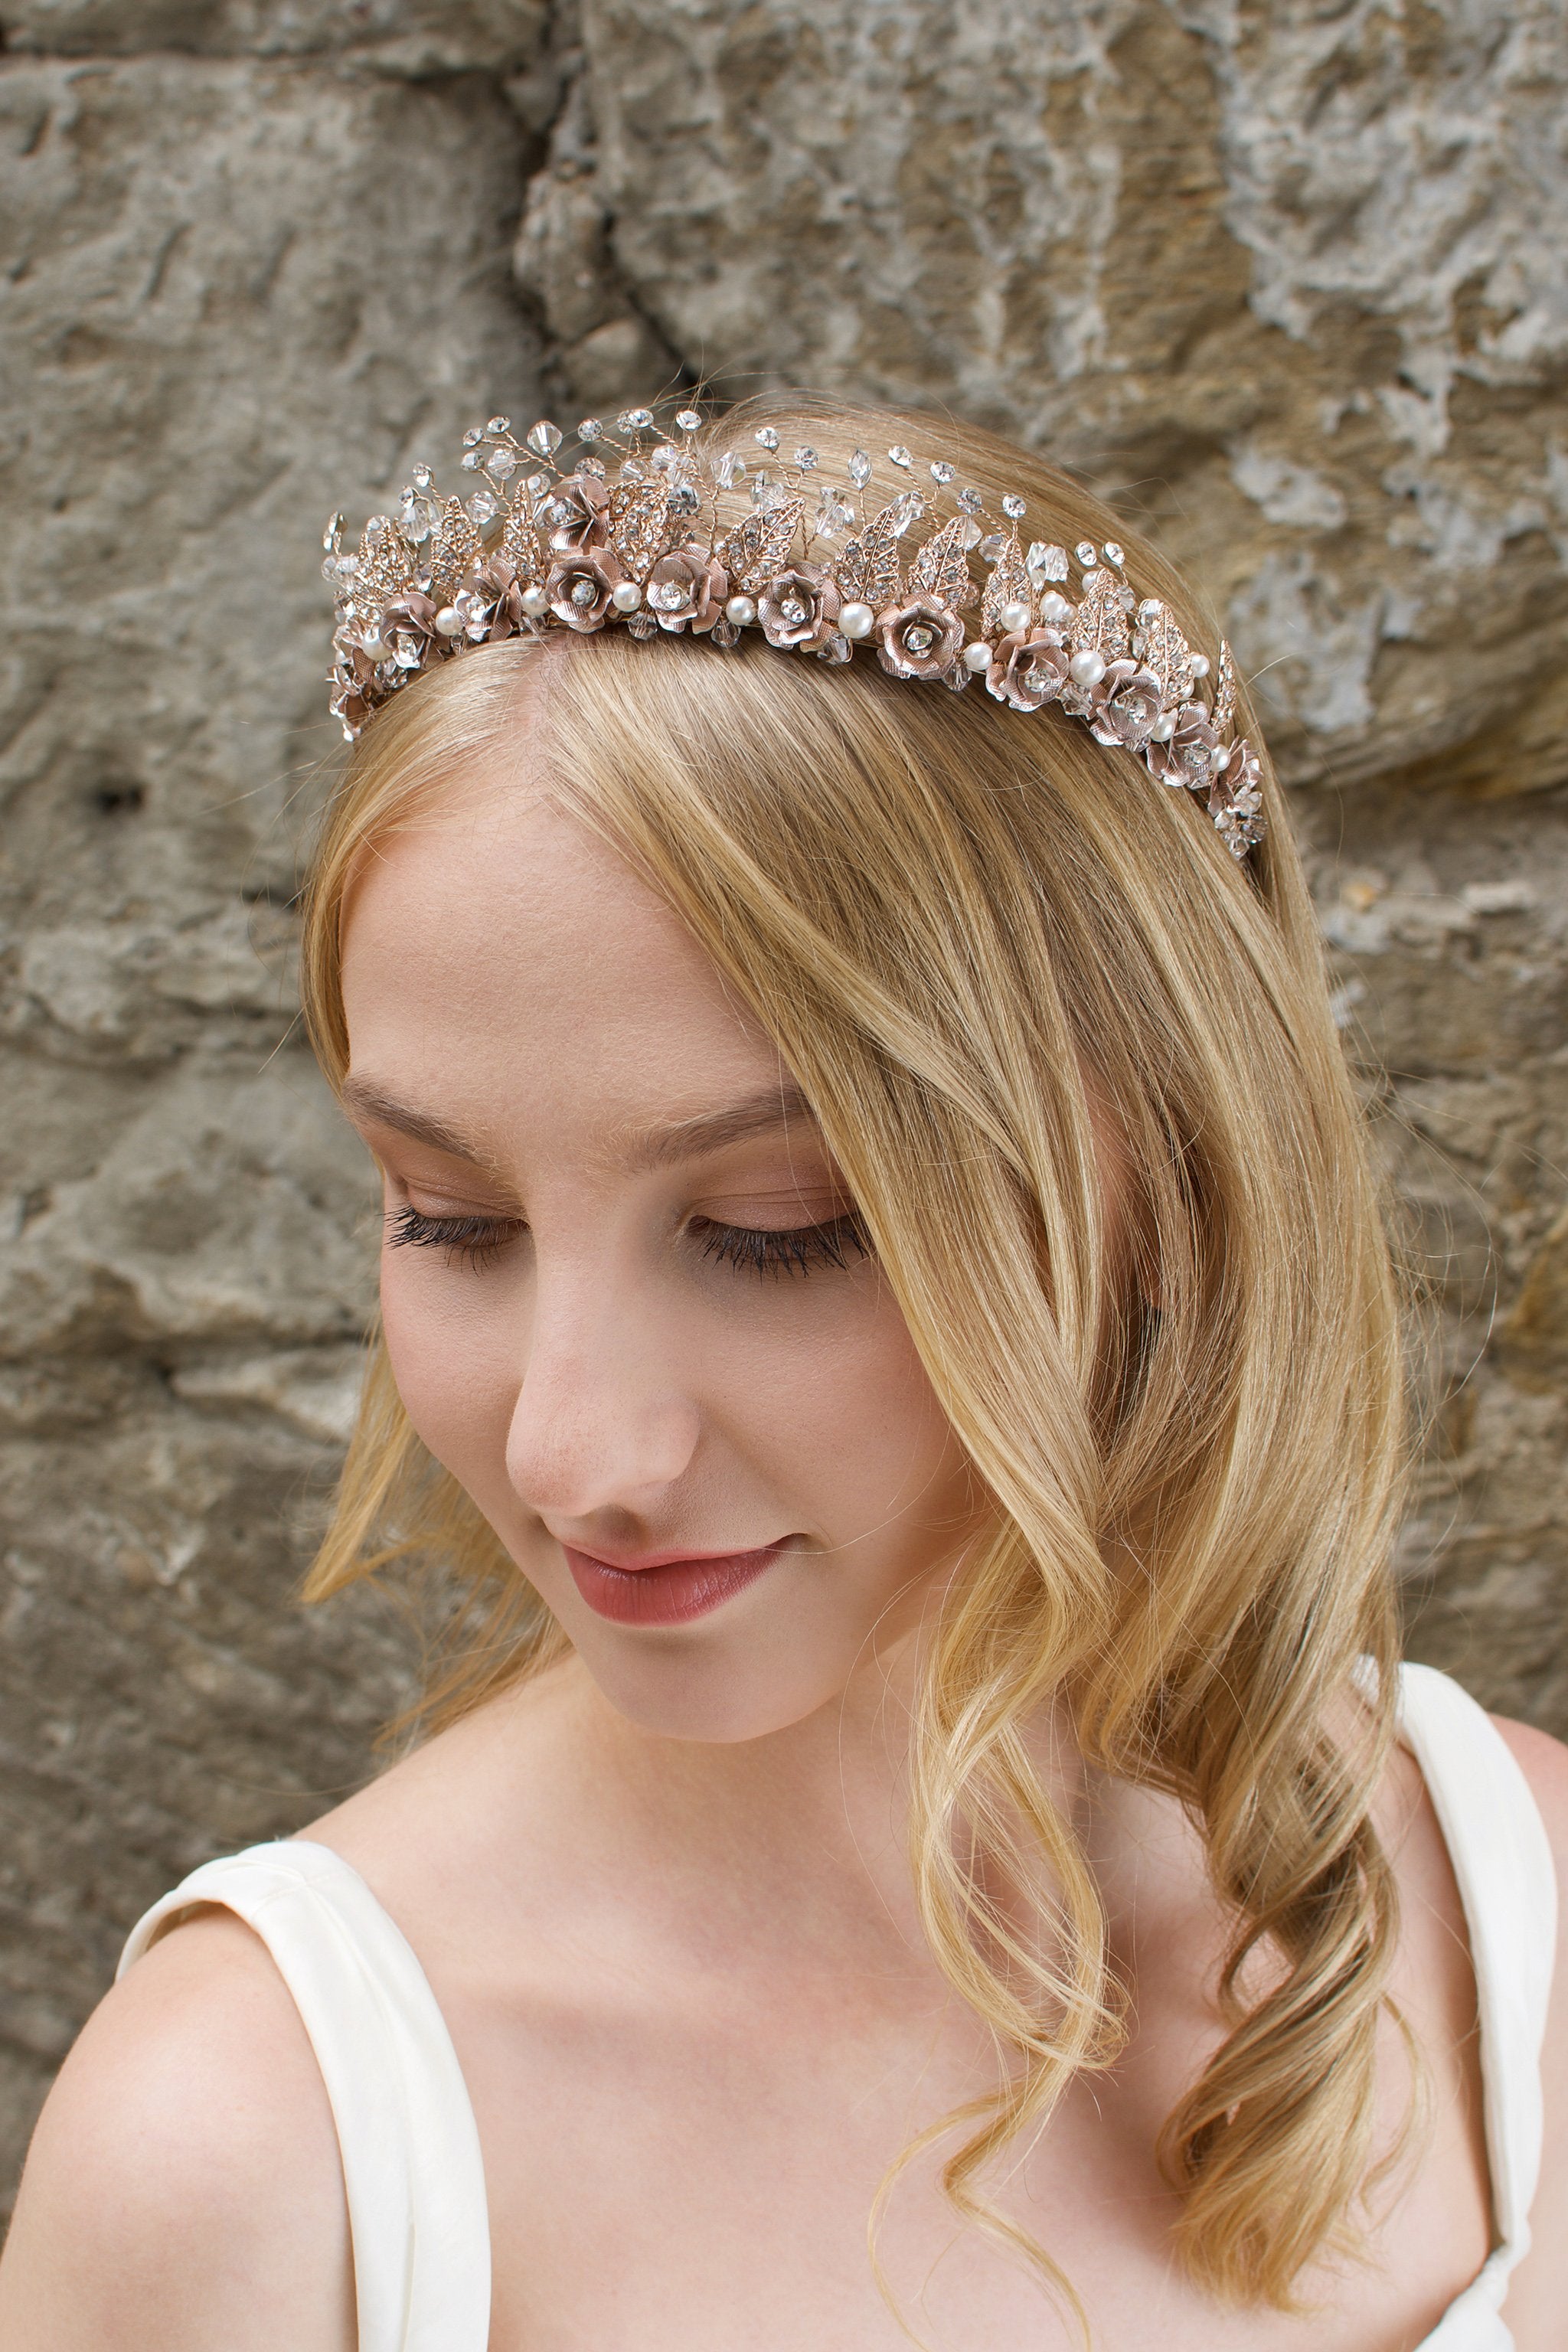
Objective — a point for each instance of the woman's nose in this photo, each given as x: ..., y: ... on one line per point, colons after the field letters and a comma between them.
x: 600, y: 1422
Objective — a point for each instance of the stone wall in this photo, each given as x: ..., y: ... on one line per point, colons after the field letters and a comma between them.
x: 1289, y: 281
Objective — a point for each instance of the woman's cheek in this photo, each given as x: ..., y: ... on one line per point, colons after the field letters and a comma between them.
x: 841, y: 1407
x: 456, y: 1362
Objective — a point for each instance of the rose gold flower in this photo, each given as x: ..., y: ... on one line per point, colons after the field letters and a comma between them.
x: 1188, y: 757
x: 353, y: 666
x: 350, y: 705
x: 919, y: 639
x: 408, y: 629
x: 410, y: 612
x: 1124, y: 706
x: 1028, y: 669
x: 799, y: 607
x: 576, y: 514
x: 579, y: 588
x: 488, y: 609
x: 1235, y: 800
x: 686, y: 590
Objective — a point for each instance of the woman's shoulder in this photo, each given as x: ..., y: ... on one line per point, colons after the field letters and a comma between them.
x: 1544, y: 1761
x: 183, y: 2188
x: 1540, y: 2287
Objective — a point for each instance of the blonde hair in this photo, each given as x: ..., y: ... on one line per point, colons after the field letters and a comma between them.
x: 976, y: 935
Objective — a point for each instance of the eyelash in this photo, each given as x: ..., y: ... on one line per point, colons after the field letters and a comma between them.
x: 476, y: 1241
x: 796, y: 1251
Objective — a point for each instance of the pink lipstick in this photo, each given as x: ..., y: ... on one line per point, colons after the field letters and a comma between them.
x: 666, y: 1588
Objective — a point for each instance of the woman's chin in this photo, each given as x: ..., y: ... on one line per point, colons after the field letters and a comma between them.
x: 704, y: 1691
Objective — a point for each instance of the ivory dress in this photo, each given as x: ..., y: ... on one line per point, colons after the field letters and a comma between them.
x: 411, y: 2156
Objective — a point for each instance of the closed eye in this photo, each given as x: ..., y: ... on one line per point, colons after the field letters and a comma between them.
x: 796, y: 1250
x: 472, y: 1240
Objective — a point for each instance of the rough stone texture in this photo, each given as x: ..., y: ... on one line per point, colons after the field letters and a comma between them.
x: 235, y: 291
x: 1288, y: 280
x: 1447, y: 924
x: 1295, y: 277
x: 415, y: 40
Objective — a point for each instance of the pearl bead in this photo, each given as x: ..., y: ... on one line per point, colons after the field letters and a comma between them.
x: 1088, y: 668
x: 857, y: 620
x: 1199, y: 665
x: 1014, y: 618
x: 1163, y: 728
x: 625, y: 595
x: 446, y: 622
x: 742, y: 611
x: 977, y: 656
x: 1054, y: 609
x: 534, y: 602
x: 376, y: 649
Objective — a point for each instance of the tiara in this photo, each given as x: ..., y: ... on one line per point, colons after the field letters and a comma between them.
x: 633, y: 534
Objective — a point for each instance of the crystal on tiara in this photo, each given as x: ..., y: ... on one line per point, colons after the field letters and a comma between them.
x: 669, y: 537
x: 1047, y: 563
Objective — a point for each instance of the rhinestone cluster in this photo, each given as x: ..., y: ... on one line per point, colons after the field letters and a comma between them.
x: 633, y: 534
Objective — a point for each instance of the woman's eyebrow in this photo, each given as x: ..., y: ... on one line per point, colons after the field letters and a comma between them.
x: 364, y: 1101
x: 656, y: 1146
x: 688, y: 1139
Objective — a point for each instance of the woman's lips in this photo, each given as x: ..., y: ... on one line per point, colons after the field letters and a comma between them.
x: 663, y: 1589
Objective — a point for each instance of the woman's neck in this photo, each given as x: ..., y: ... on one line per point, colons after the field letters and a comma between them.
x: 802, y: 1832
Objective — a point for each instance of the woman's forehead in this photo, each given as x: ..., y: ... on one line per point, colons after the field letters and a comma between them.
x: 503, y: 955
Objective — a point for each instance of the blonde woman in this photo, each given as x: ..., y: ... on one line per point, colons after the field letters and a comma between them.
x: 921, y: 1830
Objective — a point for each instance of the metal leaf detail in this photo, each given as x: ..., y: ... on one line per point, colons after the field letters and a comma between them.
x: 386, y: 569
x: 454, y: 549
x: 520, y: 546
x: 867, y: 570
x: 942, y: 568
x: 1008, y: 584
x: 1224, y: 690
x: 1160, y: 648
x: 761, y: 545
x: 639, y: 525
x: 1100, y: 624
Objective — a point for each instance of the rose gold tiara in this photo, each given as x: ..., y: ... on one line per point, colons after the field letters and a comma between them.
x: 633, y: 535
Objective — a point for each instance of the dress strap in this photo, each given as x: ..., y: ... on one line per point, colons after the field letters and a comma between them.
x: 1502, y: 1863
x: 412, y: 2169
